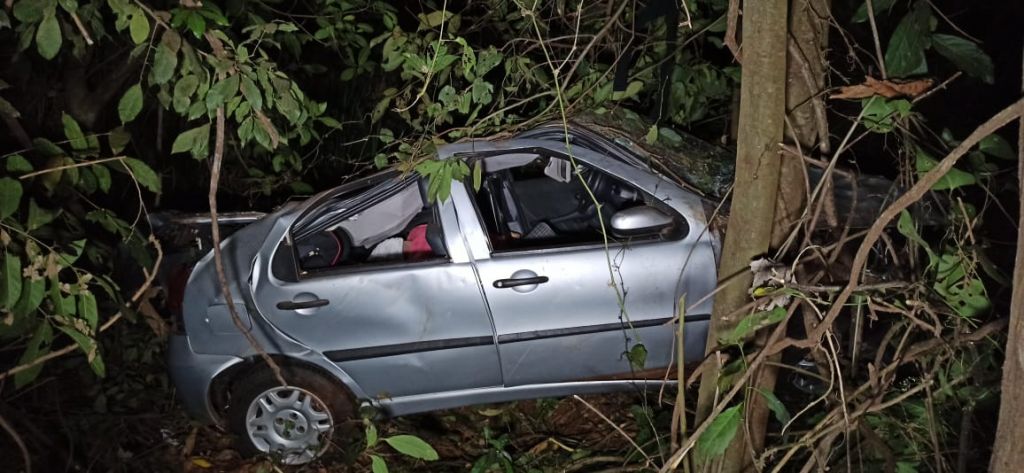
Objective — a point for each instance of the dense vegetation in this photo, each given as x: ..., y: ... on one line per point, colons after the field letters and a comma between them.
x: 115, y: 108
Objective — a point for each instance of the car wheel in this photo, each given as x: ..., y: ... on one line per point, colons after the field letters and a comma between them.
x: 293, y: 423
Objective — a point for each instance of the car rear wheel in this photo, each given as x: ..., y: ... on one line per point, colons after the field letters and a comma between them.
x: 294, y: 423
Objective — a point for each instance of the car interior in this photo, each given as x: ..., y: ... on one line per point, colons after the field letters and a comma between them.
x: 391, y: 222
x: 532, y: 201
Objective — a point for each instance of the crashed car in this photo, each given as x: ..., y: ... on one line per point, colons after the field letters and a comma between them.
x: 540, y: 282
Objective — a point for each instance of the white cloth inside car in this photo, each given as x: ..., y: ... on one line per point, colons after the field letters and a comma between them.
x: 385, y: 219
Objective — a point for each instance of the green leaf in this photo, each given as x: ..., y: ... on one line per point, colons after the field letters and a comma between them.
x: 29, y: 11
x: 221, y: 92
x: 378, y: 465
x: 18, y: 164
x: 7, y: 109
x: 119, y: 138
x: 637, y: 356
x: 252, y: 93
x: 139, y: 27
x: 880, y: 114
x: 10, y: 196
x: 412, y: 446
x: 371, y: 435
x: 38, y: 346
x: 905, y: 225
x: 995, y: 146
x: 196, y: 24
x: 68, y: 258
x: 183, y: 90
x: 966, y: 55
x: 752, y: 323
x: 482, y: 91
x: 478, y: 174
x: 713, y: 442
x: 10, y: 280
x: 73, y: 133
x: 188, y: 139
x: 38, y: 216
x: 88, y: 346
x: 775, y: 405
x: 87, y: 309
x: 487, y: 60
x: 164, y: 62
x: 143, y: 174
x: 32, y: 292
x: 953, y: 179
x: 905, y: 54
x: 632, y: 89
x: 877, y: 5
x: 652, y: 135
x: 102, y: 178
x: 130, y: 104
x: 48, y: 38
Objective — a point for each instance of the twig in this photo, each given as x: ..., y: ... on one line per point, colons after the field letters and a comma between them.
x: 614, y: 426
x: 17, y: 440
x: 69, y: 166
x: 603, y: 31
x: 914, y: 194
x: 874, y: 37
x: 81, y: 28
x: 937, y: 88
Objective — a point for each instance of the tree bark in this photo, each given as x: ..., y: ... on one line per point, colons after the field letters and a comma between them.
x: 805, y: 128
x: 762, y: 112
x: 1007, y: 454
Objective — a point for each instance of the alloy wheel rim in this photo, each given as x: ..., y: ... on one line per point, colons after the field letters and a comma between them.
x: 290, y: 422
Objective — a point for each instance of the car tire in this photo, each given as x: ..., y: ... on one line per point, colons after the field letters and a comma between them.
x: 293, y: 423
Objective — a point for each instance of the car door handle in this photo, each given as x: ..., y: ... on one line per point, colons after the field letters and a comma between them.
x: 513, y: 282
x: 293, y: 305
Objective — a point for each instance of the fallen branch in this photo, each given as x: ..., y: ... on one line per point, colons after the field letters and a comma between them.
x: 222, y: 279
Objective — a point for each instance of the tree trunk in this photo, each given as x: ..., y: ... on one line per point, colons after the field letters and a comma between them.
x: 1007, y: 454
x: 762, y: 112
x: 805, y: 128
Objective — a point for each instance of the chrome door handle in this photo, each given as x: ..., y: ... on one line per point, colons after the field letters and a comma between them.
x: 513, y: 282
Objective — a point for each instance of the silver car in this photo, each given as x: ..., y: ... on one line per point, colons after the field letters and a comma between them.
x: 371, y: 294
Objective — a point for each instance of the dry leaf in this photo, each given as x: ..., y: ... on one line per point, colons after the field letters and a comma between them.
x: 886, y: 88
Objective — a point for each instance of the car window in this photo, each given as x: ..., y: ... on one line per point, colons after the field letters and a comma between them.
x: 543, y: 202
x: 376, y: 228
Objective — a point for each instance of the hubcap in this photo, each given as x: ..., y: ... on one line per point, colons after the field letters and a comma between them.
x: 290, y: 422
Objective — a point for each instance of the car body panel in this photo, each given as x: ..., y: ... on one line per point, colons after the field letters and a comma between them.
x: 411, y: 337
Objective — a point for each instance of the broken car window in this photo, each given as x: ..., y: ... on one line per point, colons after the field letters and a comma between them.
x: 387, y: 223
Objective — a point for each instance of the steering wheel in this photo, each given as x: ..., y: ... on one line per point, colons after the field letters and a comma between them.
x: 586, y: 210
x: 325, y: 249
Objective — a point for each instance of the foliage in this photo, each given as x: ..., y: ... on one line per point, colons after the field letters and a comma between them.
x: 316, y: 90
x: 915, y: 34
x: 407, y: 445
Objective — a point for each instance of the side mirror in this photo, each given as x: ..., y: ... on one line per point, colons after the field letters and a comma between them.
x: 640, y: 220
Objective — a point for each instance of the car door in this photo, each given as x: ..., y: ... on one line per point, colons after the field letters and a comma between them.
x: 570, y: 311
x: 397, y: 328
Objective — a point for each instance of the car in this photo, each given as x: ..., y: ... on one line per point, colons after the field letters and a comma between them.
x: 540, y: 279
